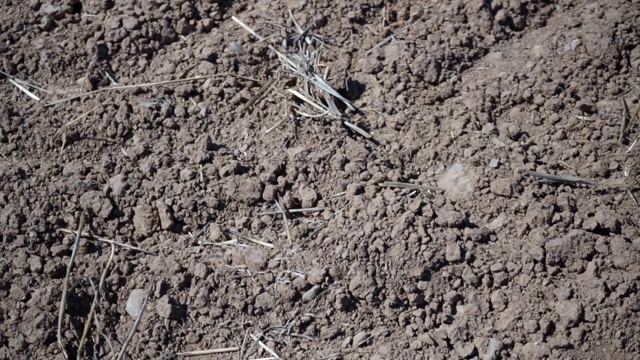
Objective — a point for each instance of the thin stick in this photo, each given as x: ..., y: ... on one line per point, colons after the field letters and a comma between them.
x: 562, y: 178
x: 357, y: 129
x: 66, y: 126
x: 631, y: 147
x: 136, y: 324
x: 307, y: 100
x: 625, y: 122
x: 293, y: 211
x: 26, y: 83
x: 24, y: 90
x: 81, y: 116
x: 244, y: 26
x: 244, y: 342
x: 274, y: 126
x: 261, y: 93
x: 255, y: 241
x: 265, y: 347
x: 387, y: 39
x: 283, y: 211
x: 135, y: 86
x: 65, y: 286
x: 403, y: 185
x: 209, y: 352
x: 635, y: 201
x: 92, y: 236
x: 96, y: 298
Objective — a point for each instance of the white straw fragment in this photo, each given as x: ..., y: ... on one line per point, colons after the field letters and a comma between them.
x: 24, y: 90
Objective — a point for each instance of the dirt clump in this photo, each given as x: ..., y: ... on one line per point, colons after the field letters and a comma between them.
x: 465, y: 97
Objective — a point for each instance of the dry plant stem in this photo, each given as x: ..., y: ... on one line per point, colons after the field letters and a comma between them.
x: 209, y: 352
x: 255, y: 241
x: 293, y: 211
x: 387, y: 39
x: 261, y: 93
x: 137, y: 323
x: 96, y: 298
x: 633, y: 197
x: 562, y: 178
x: 24, y: 90
x: 81, y: 116
x: 135, y: 86
x: 65, y: 286
x: 631, y: 147
x: 625, y: 122
x: 298, y: 66
x: 403, y: 185
x: 264, y: 346
x: 357, y: 129
x: 283, y: 211
x: 91, y: 236
x: 24, y: 82
x: 66, y: 126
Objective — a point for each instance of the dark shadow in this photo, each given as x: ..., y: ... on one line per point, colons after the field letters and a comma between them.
x: 353, y: 90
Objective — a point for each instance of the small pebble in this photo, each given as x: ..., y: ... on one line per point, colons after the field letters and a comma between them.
x: 134, y: 303
x: 235, y: 47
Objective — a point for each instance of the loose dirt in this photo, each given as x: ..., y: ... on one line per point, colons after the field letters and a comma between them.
x: 466, y: 96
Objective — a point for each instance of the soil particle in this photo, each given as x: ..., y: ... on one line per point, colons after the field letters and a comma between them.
x: 167, y: 308
x: 504, y: 187
x: 464, y: 95
x: 569, y: 249
x: 145, y: 221
x: 264, y: 301
x: 453, y: 252
x: 570, y: 312
x: 464, y: 350
x: 362, y: 285
x: 96, y: 203
x: 450, y: 218
x: 535, y: 351
x: 118, y: 185
x: 622, y: 253
x: 250, y: 191
x: 308, y: 197
x: 165, y: 213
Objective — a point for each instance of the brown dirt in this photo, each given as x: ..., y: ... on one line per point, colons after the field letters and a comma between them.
x: 470, y: 97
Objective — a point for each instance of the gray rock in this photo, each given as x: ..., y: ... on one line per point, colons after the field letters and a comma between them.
x: 54, y: 11
x: 493, y: 350
x: 135, y: 301
x: 464, y: 350
x: 459, y: 182
x: 360, y: 338
x: 311, y: 293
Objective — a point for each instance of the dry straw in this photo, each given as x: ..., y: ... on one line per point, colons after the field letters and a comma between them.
x: 300, y: 53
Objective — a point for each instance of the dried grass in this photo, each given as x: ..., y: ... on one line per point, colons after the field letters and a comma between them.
x: 300, y: 52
